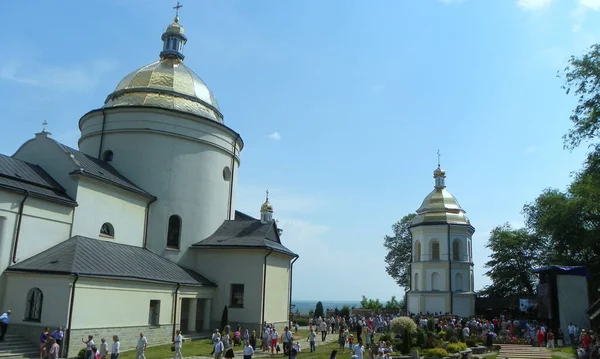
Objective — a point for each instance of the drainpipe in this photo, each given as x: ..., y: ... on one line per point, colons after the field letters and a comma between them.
x: 72, y: 221
x: 450, y: 273
x: 232, y: 177
x: 101, y: 135
x: 175, y: 309
x: 146, y: 222
x: 291, y: 281
x: 71, y: 304
x: 264, y: 291
x: 18, y: 232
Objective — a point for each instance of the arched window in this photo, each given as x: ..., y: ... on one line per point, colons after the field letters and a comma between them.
x: 174, y: 232
x: 458, y: 282
x: 107, y: 156
x: 435, y: 250
x: 416, y: 286
x: 435, y: 281
x: 469, y: 250
x: 417, y: 251
x: 33, y: 306
x: 456, y: 250
x: 107, y: 230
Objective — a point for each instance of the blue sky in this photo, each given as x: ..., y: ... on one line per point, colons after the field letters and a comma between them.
x: 342, y: 106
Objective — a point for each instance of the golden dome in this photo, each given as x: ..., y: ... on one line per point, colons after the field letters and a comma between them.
x: 440, y: 206
x: 175, y: 27
x: 166, y: 83
x: 439, y: 172
x: 266, y: 207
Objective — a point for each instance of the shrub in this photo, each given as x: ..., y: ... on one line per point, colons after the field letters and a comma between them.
x: 456, y: 347
x: 406, y: 339
x: 224, y: 318
x: 478, y: 338
x: 450, y: 332
x: 470, y: 343
x: 432, y: 342
x: 399, y: 325
x: 385, y: 337
x: 441, y: 334
x: 453, y: 340
x: 81, y: 353
x: 460, y: 334
x: 301, y: 321
x: 430, y: 325
x: 420, y: 337
x: 398, y: 346
x: 436, y: 353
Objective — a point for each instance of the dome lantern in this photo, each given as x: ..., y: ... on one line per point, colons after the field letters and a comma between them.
x: 266, y: 211
x: 173, y: 38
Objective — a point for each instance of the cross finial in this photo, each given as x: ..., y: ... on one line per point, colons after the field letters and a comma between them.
x: 267, y: 195
x: 439, y: 156
x: 177, y: 7
x: 44, y: 124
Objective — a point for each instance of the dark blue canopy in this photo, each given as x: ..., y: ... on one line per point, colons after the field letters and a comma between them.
x: 566, y: 270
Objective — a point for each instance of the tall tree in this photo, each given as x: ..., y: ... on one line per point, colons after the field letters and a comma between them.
x: 399, y: 247
x: 515, y: 253
x: 369, y: 303
x: 319, y: 312
x: 582, y: 77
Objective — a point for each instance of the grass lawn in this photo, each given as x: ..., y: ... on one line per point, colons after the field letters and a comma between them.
x: 194, y: 348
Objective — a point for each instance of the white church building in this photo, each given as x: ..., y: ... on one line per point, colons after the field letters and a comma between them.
x: 442, y: 259
x: 136, y: 231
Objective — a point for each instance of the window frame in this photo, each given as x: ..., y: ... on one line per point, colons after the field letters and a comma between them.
x: 32, y: 302
x: 435, y: 244
x: 233, y: 301
x: 154, y: 313
x: 111, y: 230
x: 456, y: 250
x: 169, y: 243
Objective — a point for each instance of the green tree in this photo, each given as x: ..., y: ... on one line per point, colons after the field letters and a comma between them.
x: 368, y: 303
x: 319, y: 312
x: 399, y: 251
x: 224, y: 318
x: 393, y: 303
x: 345, y: 312
x: 515, y: 253
x: 582, y: 77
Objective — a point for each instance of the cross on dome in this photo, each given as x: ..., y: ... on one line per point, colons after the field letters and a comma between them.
x: 44, y: 124
x: 177, y: 7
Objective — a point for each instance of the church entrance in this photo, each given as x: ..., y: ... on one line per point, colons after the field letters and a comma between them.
x: 195, y: 315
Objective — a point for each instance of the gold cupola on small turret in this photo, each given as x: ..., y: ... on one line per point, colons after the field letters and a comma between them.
x: 266, y: 210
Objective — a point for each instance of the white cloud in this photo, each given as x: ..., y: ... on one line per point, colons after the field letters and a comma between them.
x: 579, y: 13
x: 532, y: 5
x: 275, y: 136
x: 530, y: 149
x: 76, y: 78
x: 592, y: 4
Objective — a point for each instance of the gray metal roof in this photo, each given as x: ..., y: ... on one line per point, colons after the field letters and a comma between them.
x: 243, y: 233
x: 85, y: 256
x: 101, y: 170
x: 17, y: 175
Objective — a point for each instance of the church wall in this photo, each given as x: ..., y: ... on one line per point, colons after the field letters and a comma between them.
x: 277, y: 297
x: 463, y: 306
x: 55, y: 305
x: 230, y: 266
x: 44, y: 225
x: 180, y: 159
x: 44, y: 152
x: 100, y: 203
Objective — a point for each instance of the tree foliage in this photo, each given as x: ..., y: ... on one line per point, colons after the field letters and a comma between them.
x: 224, y: 318
x: 402, y: 324
x: 399, y: 248
x: 582, y: 77
x: 393, y: 303
x: 319, y: 312
x: 368, y: 303
x: 515, y: 253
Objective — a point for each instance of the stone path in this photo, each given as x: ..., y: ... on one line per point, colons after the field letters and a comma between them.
x: 516, y: 351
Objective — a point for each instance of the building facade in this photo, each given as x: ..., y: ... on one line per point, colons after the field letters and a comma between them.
x: 136, y: 231
x: 442, y: 258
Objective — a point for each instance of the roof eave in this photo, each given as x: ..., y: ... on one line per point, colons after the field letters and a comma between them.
x: 228, y: 246
x: 67, y: 202
x: 118, y: 185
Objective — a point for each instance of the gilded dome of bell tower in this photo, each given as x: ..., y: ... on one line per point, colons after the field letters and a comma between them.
x: 167, y: 83
x: 440, y: 206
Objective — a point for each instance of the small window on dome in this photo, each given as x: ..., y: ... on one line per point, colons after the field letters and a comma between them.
x: 226, y: 173
x: 174, y: 44
x: 107, y: 156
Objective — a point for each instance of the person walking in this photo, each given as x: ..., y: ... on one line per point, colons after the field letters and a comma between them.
x: 218, y: 348
x: 88, y: 346
x: 116, y: 348
x: 141, y: 347
x: 177, y: 344
x: 248, y: 350
x: 4, y: 322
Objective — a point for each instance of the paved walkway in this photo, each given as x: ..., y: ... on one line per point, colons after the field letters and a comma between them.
x: 516, y: 351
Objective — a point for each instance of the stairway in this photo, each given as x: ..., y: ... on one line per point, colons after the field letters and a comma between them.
x: 15, y: 346
x: 517, y: 351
